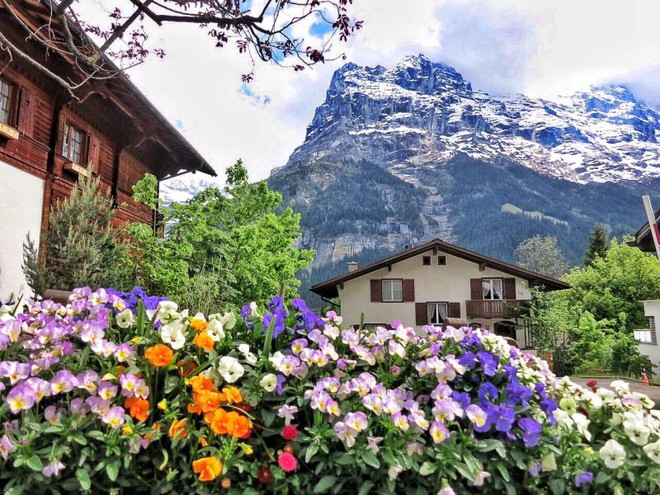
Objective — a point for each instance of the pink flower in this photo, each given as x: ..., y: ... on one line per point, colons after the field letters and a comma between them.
x: 6, y: 447
x: 52, y: 469
x: 287, y: 462
x: 290, y: 432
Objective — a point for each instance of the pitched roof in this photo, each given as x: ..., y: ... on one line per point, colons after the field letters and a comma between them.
x: 141, y: 109
x: 328, y: 289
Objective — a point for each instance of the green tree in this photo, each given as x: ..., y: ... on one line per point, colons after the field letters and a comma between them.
x: 597, y: 245
x: 613, y: 286
x: 542, y: 255
x: 81, y: 246
x: 222, y: 247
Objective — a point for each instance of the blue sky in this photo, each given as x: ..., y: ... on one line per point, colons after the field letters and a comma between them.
x: 537, y: 47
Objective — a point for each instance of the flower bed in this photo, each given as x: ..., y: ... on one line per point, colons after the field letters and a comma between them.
x: 124, y: 391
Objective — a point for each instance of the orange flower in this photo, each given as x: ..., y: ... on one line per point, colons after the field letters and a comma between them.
x: 185, y: 367
x: 208, y: 468
x: 207, y: 400
x: 232, y: 395
x: 137, y: 408
x: 237, y: 425
x: 155, y: 429
x: 203, y: 442
x: 199, y: 325
x: 159, y: 355
x: 178, y: 429
x: 204, y: 341
x: 200, y: 382
x: 216, y: 420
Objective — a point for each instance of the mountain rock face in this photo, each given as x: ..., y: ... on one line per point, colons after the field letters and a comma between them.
x: 398, y: 156
x: 421, y: 113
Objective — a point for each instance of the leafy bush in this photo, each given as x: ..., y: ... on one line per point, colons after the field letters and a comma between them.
x: 122, y: 391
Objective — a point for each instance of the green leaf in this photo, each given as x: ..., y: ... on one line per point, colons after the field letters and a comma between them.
x: 83, y: 478
x: 344, y: 459
x: 113, y: 469
x: 14, y: 490
x: 366, y: 488
x: 268, y: 416
x: 371, y: 460
x: 557, y: 486
x: 426, y: 468
x: 311, y: 450
x: 35, y: 463
x: 325, y: 484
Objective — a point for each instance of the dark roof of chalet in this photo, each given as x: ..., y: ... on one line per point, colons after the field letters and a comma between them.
x: 194, y: 160
x: 328, y: 289
x: 644, y: 238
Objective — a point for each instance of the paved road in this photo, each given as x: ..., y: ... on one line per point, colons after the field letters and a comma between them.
x: 653, y: 391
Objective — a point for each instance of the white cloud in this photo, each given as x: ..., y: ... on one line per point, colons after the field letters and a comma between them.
x: 539, y: 47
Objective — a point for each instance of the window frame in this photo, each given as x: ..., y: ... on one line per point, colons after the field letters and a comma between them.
x: 436, y: 303
x: 442, y: 260
x: 12, y: 106
x: 426, y: 260
x: 383, y: 292
x: 491, y: 280
x: 84, y: 143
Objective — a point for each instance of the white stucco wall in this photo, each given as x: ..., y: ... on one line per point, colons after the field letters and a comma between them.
x: 652, y: 308
x: 21, y: 202
x: 450, y: 282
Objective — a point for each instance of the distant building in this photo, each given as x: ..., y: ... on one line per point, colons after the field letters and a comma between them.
x: 439, y: 283
x: 48, y: 137
x: 647, y: 337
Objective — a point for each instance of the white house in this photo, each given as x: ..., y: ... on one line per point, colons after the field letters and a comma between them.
x: 439, y: 283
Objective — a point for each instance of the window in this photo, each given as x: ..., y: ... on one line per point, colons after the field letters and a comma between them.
x: 73, y: 144
x: 491, y: 288
x: 426, y: 260
x: 392, y: 290
x: 647, y: 336
x: 6, y: 102
x: 442, y: 260
x: 436, y: 313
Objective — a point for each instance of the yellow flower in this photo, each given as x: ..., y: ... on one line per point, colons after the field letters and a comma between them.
x: 162, y: 405
x: 127, y: 430
x: 109, y: 377
x: 247, y: 449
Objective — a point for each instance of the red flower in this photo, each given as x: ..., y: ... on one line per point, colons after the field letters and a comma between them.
x: 287, y: 462
x: 290, y: 432
x: 592, y: 384
x: 265, y: 475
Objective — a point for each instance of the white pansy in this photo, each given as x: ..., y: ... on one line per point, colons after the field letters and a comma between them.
x: 605, y: 394
x: 653, y: 451
x: 548, y: 462
x: 125, y: 319
x: 620, y: 387
x: 230, y: 369
x: 268, y: 382
x: 613, y: 454
x: 636, y: 430
x: 582, y: 425
x: 172, y: 334
x: 644, y: 399
x: 592, y: 400
x: 216, y: 330
x: 168, y: 306
x: 277, y: 359
x: 228, y: 320
x: 249, y: 357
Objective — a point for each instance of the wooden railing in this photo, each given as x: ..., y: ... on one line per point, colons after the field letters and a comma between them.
x: 498, y: 308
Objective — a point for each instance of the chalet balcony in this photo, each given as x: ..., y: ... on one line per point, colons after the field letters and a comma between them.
x: 497, y: 308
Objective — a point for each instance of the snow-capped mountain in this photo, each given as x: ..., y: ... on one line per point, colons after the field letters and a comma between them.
x: 398, y: 156
x: 420, y: 113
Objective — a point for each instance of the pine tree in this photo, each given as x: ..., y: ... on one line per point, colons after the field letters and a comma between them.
x: 81, y: 247
x: 597, y: 245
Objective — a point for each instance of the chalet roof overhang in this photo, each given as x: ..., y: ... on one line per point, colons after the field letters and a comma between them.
x: 148, y: 123
x: 329, y: 288
x: 644, y: 237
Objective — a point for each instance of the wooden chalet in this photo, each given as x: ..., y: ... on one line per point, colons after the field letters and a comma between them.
x: 49, y: 136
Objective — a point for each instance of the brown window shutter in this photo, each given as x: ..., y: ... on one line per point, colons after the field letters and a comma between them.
x: 376, y: 290
x: 454, y: 310
x: 26, y: 106
x: 420, y: 314
x: 94, y: 152
x: 408, y: 290
x: 475, y: 289
x: 509, y: 288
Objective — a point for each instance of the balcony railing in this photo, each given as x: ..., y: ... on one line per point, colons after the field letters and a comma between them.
x: 498, y: 308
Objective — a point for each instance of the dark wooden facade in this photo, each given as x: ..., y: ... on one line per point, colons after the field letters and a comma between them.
x: 121, y: 134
